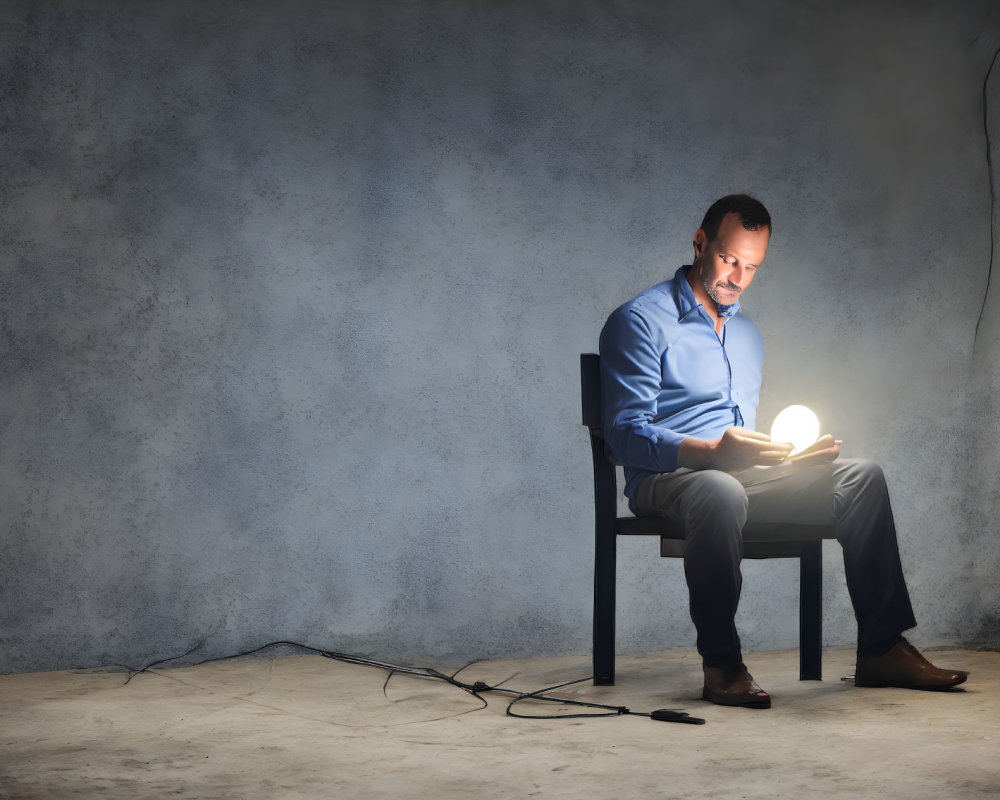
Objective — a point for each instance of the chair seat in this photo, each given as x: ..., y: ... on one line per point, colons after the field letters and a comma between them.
x: 760, y: 540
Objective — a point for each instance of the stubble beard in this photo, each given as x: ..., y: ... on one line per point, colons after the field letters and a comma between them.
x: 713, y: 290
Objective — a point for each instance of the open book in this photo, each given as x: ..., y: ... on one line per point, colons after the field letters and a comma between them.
x: 822, y: 451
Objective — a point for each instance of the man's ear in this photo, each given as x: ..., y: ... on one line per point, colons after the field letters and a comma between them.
x: 700, y: 240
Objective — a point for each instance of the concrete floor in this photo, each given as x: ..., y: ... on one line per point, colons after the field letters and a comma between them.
x: 310, y: 727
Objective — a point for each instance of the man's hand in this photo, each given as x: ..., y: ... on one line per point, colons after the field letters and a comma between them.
x: 826, y: 448
x: 736, y: 450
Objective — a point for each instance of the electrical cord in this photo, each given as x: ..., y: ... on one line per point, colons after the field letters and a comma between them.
x: 993, y: 197
x: 662, y: 714
x: 475, y: 689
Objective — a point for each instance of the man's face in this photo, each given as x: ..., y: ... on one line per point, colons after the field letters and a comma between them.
x: 727, y: 264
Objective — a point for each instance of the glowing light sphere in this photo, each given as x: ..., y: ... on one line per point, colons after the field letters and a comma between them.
x: 796, y: 424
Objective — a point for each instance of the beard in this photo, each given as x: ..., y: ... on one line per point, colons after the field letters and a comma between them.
x: 713, y: 289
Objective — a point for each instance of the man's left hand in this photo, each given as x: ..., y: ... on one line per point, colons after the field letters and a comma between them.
x: 824, y: 449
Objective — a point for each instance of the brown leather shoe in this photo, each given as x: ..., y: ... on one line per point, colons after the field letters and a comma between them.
x: 732, y: 685
x: 904, y: 668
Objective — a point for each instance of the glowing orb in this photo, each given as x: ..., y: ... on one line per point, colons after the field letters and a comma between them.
x: 796, y: 424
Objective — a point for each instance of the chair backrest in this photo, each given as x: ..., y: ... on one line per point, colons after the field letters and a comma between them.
x: 590, y: 390
x: 605, y: 478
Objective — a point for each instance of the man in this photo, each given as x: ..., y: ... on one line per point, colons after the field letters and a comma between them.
x: 681, y: 370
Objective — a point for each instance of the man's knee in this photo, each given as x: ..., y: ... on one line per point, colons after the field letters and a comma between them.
x: 717, y: 501
x: 857, y: 479
x: 867, y: 470
x: 715, y: 511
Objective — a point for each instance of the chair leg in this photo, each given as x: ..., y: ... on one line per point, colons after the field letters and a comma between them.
x: 604, y: 606
x: 811, y: 611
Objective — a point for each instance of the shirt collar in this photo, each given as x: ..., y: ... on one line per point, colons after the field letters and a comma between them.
x: 686, y: 300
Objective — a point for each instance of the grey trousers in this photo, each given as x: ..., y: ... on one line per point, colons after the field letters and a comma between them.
x: 714, y: 506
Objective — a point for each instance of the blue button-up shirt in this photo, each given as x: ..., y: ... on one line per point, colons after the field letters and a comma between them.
x: 666, y: 376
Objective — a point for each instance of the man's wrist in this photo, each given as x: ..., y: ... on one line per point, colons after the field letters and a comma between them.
x: 696, y: 453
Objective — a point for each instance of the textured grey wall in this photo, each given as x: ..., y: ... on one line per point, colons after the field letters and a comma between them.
x: 292, y: 297
x: 984, y: 490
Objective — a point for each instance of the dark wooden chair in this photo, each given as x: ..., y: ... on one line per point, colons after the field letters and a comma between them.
x: 804, y: 542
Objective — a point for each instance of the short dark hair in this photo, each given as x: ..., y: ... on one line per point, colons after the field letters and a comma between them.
x: 752, y: 213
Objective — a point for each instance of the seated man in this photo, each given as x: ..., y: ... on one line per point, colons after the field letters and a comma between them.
x: 681, y: 373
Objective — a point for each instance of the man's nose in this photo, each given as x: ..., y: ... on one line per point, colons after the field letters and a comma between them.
x: 737, y: 275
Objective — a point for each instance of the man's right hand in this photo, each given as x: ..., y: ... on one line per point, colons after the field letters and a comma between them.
x: 736, y: 450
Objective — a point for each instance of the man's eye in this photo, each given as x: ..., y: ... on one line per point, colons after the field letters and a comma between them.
x: 730, y: 260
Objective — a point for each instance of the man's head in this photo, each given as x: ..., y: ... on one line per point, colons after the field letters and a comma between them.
x: 728, y: 247
x: 753, y: 216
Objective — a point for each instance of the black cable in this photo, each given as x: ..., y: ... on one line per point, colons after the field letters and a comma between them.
x: 662, y: 714
x: 133, y: 671
x: 611, y: 711
x: 993, y: 197
x: 475, y: 689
